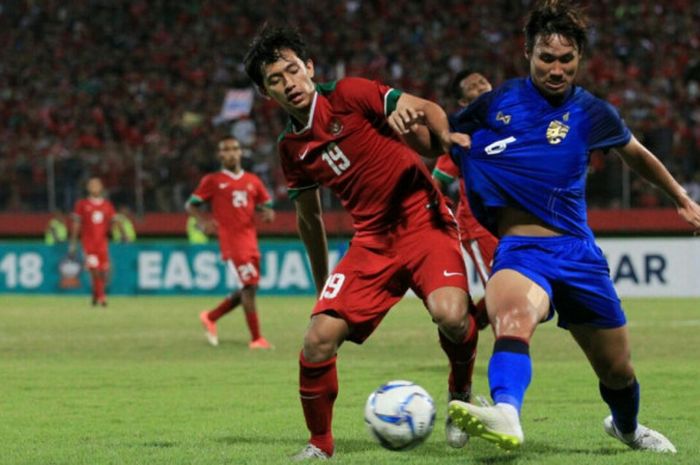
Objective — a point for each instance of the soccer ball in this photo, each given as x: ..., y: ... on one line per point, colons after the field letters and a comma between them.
x: 400, y: 415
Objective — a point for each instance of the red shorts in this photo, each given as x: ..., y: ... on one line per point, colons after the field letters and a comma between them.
x: 481, y: 249
x: 246, y: 268
x: 96, y: 259
x: 369, y: 280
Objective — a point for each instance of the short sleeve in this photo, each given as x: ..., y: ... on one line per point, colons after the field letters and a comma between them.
x: 110, y: 212
x: 297, y: 180
x: 445, y: 169
x: 372, y: 98
x: 607, y: 129
x: 204, y: 191
x: 77, y: 213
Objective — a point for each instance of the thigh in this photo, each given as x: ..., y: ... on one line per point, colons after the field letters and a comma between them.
x: 97, y: 259
x: 516, y: 304
x: 433, y: 260
x: 608, y: 351
x: 584, y: 293
x: 482, y: 250
x: 247, y: 269
x: 364, y: 285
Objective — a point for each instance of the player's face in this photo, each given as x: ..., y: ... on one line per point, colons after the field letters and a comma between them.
x: 553, y: 64
x: 94, y: 187
x: 230, y: 153
x: 472, y: 86
x: 288, y: 81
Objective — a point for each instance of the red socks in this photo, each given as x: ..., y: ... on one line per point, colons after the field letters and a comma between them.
x: 225, y: 306
x: 462, y: 357
x: 98, y: 286
x: 318, y: 388
x: 253, y: 325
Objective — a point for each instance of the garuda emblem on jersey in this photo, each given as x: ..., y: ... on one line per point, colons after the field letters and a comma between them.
x: 335, y: 126
x: 556, y: 132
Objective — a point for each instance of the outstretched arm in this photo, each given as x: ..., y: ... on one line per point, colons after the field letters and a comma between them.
x: 647, y: 165
x: 313, y: 233
x: 424, y: 127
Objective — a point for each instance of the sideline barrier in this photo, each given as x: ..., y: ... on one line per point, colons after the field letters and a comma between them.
x: 165, y: 268
x: 648, y: 267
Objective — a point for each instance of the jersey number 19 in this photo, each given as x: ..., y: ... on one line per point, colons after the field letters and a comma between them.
x: 336, y: 159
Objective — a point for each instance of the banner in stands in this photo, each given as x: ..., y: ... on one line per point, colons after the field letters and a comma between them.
x: 655, y: 267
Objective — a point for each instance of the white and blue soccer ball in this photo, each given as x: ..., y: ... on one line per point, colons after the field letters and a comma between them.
x: 400, y: 415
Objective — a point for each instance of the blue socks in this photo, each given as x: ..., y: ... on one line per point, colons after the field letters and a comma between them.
x: 510, y: 371
x: 624, y: 405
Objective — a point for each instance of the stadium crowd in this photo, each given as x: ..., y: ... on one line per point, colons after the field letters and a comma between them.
x: 130, y: 91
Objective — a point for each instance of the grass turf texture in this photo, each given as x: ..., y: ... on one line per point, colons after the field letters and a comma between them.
x: 136, y: 383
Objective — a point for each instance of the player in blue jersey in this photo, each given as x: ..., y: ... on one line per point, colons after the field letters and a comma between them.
x: 525, y: 174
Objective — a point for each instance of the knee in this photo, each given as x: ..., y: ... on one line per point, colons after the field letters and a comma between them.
x: 617, y: 375
x: 318, y: 347
x: 450, y: 314
x: 514, y: 321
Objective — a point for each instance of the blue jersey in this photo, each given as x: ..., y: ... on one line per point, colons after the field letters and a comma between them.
x: 529, y: 154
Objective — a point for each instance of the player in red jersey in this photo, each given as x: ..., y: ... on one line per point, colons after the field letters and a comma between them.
x: 235, y: 195
x: 480, y: 244
x: 92, y: 220
x: 339, y: 136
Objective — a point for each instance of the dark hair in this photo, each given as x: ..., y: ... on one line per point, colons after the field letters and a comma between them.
x: 226, y: 137
x: 266, y: 47
x: 556, y: 17
x: 455, y: 84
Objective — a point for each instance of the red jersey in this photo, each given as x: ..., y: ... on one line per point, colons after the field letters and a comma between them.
x: 95, y: 217
x: 348, y: 146
x: 446, y: 171
x: 233, y: 199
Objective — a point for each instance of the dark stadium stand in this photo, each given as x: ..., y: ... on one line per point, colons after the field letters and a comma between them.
x: 129, y: 90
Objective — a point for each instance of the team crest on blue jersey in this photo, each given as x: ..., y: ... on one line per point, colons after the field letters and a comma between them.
x: 335, y: 126
x: 557, y: 131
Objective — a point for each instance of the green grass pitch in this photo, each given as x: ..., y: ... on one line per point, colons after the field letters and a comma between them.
x: 136, y: 383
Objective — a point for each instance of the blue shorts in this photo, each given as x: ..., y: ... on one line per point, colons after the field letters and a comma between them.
x: 573, y: 272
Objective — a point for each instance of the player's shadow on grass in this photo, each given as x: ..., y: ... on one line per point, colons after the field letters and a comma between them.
x: 484, y: 453
x: 544, y: 448
x: 259, y: 439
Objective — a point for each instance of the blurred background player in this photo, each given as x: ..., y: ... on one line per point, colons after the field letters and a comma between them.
x: 56, y: 231
x: 478, y: 242
x: 525, y: 176
x: 234, y: 195
x: 123, y: 230
x: 93, y: 218
x: 340, y: 135
x: 195, y: 235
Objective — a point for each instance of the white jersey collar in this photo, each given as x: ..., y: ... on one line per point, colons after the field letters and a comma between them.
x: 310, y: 121
x: 233, y: 175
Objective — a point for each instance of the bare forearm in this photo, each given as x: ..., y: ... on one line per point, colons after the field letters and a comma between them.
x: 313, y: 234
x: 436, y: 120
x: 648, y: 166
x: 74, y: 233
x: 195, y: 211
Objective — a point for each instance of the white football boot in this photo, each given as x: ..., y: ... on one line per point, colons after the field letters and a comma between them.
x: 642, y: 439
x: 454, y: 436
x: 499, y: 424
x: 310, y: 452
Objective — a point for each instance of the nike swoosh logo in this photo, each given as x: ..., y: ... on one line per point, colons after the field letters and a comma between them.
x: 447, y: 274
x: 303, y: 154
x: 223, y: 186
